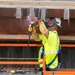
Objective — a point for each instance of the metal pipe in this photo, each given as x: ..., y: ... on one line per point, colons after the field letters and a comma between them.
x: 19, y: 63
x: 31, y: 45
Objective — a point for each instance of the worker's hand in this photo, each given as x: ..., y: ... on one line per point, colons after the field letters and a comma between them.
x: 41, y: 25
x: 31, y: 29
x: 35, y: 23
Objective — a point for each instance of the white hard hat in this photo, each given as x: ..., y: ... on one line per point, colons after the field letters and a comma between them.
x: 58, y: 20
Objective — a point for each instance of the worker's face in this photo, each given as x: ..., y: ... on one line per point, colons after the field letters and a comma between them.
x: 50, y: 23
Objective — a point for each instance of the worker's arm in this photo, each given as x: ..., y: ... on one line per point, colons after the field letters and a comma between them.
x: 43, y: 29
x: 35, y: 36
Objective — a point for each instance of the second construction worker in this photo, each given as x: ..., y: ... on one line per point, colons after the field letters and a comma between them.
x: 50, y: 42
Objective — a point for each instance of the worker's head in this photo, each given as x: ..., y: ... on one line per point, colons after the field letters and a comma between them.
x: 53, y: 22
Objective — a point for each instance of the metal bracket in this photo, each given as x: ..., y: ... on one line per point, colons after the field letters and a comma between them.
x: 42, y: 14
x: 18, y: 12
x: 66, y: 14
x: 31, y: 12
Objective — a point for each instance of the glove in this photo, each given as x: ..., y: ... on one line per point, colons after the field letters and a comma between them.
x: 35, y: 36
x: 35, y: 23
x: 31, y: 29
x: 42, y: 27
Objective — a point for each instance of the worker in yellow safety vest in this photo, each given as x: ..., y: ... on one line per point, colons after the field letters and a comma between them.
x: 50, y: 41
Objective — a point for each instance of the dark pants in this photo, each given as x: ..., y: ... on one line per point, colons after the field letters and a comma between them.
x: 48, y: 69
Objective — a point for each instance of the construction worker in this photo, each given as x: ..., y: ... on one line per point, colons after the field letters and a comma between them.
x: 50, y: 41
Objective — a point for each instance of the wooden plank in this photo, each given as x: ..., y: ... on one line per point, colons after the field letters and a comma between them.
x: 14, y: 37
x: 18, y: 58
x: 26, y: 37
x: 58, y: 5
x: 38, y: 4
x: 70, y: 38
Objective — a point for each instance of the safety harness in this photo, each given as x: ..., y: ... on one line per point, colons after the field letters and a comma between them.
x: 42, y: 54
x: 53, y: 59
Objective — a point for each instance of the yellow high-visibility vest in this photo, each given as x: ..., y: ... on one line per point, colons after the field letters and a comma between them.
x: 51, y: 46
x: 40, y: 58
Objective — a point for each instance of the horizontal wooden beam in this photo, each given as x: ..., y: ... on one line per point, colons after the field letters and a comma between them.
x: 19, y: 59
x: 67, y: 38
x: 26, y: 37
x: 37, y: 4
x: 14, y: 37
